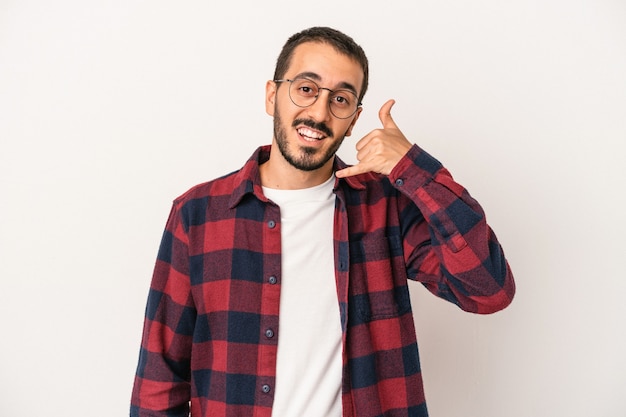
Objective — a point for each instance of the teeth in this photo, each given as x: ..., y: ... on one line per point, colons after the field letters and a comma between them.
x: 308, y: 133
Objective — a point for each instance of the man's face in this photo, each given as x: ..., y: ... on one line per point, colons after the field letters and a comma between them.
x: 309, y: 137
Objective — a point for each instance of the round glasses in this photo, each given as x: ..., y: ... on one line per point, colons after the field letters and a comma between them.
x: 304, y: 92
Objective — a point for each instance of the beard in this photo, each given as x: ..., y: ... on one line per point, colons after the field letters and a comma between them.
x: 305, y: 158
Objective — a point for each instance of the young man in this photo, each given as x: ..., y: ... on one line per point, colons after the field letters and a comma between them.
x: 281, y: 289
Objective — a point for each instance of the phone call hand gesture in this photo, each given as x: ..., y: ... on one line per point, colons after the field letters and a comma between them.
x: 381, y: 149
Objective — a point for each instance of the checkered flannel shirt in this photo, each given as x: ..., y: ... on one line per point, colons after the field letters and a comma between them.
x: 216, y: 289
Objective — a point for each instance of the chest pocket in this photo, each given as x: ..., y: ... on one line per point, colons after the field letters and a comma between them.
x: 378, y: 279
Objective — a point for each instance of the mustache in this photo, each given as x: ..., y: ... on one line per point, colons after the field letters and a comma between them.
x: 314, y: 125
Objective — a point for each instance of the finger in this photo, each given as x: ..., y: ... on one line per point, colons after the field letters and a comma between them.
x: 351, y: 171
x: 364, y: 140
x: 384, y: 114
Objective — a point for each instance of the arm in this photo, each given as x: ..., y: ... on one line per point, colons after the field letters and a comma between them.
x: 454, y: 253
x: 462, y: 261
x: 162, y: 386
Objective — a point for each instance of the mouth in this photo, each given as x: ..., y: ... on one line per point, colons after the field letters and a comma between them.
x: 310, y: 135
x: 312, y: 132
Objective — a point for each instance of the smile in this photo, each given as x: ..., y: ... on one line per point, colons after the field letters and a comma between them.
x: 309, y: 134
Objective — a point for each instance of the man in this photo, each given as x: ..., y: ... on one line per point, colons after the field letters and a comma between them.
x: 281, y: 289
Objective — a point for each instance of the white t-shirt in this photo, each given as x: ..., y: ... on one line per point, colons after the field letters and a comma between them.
x: 309, y: 367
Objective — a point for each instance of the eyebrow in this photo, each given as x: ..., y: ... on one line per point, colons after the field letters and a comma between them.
x: 316, y: 77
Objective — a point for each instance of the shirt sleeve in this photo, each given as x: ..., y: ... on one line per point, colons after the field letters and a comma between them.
x: 162, y: 381
x: 461, y: 259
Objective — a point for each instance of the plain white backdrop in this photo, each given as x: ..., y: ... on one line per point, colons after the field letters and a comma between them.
x: 110, y: 109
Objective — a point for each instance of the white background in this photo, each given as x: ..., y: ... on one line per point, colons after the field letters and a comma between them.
x: 109, y: 109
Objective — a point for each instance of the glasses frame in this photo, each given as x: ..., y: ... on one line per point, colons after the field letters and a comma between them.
x: 290, y: 81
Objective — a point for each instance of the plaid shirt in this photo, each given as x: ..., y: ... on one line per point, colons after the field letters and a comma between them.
x: 216, y: 289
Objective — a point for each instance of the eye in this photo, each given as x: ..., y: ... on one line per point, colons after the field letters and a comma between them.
x: 305, y: 88
x: 342, y: 99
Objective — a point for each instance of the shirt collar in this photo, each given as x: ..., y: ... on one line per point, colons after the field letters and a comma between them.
x: 248, y: 179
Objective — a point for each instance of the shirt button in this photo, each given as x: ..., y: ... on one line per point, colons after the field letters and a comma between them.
x: 272, y: 280
x: 399, y: 182
x: 266, y: 388
x: 269, y: 333
x: 271, y: 224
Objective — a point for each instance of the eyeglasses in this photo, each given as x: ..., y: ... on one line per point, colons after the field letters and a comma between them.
x: 304, y: 92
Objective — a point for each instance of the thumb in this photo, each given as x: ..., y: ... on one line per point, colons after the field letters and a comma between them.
x: 384, y: 114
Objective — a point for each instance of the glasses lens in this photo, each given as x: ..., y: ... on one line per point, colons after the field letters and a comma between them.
x: 343, y: 103
x: 303, y: 92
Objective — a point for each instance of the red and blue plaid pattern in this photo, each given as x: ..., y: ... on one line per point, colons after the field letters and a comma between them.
x: 216, y: 289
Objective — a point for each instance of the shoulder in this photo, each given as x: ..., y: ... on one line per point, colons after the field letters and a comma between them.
x: 230, y: 186
x: 221, y: 186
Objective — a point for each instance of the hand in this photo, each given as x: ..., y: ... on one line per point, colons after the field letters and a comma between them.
x: 381, y: 149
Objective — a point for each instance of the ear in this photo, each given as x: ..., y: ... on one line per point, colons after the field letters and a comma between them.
x: 355, y: 118
x: 270, y: 97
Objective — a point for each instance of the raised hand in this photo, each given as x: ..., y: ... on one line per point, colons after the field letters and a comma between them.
x: 381, y: 149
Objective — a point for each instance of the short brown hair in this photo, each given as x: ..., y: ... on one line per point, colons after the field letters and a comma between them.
x: 338, y: 40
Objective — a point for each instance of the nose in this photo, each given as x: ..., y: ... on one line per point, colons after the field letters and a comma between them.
x: 320, y: 110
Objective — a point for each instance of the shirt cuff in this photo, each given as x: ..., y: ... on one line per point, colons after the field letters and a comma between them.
x: 416, y: 169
